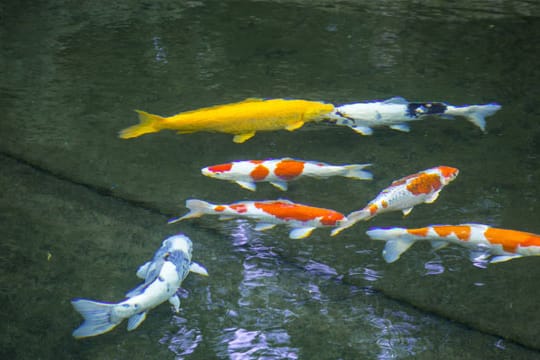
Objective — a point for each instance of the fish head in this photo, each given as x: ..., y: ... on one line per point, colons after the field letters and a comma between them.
x: 448, y: 174
x: 217, y: 171
x: 178, y: 243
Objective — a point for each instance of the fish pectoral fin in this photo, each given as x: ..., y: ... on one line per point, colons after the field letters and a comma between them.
x: 281, y: 185
x: 240, y: 138
x: 439, y: 244
x: 262, y: 226
x: 249, y: 185
x: 198, y: 269
x: 143, y: 270
x: 135, y: 321
x: 400, y: 127
x: 175, y: 302
x: 362, y: 130
x: 294, y: 126
x: 502, y: 258
x: 394, y: 248
x: 301, y: 233
x: 432, y: 198
x: 406, y: 211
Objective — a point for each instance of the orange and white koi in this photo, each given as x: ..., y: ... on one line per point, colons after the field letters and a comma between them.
x: 279, y: 171
x: 403, y: 195
x: 302, y: 218
x: 503, y: 244
x: 242, y: 119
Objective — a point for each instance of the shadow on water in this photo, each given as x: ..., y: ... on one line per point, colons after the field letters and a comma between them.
x: 72, y: 75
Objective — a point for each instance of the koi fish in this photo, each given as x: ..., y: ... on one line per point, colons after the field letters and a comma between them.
x: 242, y: 119
x: 504, y: 244
x: 279, y: 171
x: 396, y: 112
x: 403, y: 195
x: 163, y: 276
x: 302, y: 218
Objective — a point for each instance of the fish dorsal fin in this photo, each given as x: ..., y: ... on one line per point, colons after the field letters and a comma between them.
x: 253, y: 99
x: 217, y: 107
x: 396, y: 100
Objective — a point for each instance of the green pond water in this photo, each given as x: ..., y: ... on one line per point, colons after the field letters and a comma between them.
x: 81, y: 209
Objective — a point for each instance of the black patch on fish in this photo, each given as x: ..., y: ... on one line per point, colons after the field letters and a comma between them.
x: 430, y: 108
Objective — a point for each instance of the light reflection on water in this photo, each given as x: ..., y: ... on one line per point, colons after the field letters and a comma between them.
x: 184, y: 341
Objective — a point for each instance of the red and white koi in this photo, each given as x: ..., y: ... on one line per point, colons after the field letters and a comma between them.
x: 502, y: 243
x: 279, y: 171
x: 302, y: 218
x: 403, y: 195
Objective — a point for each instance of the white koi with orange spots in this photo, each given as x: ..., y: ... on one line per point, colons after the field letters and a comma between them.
x: 302, y: 218
x: 502, y: 244
x: 403, y: 195
x: 279, y: 171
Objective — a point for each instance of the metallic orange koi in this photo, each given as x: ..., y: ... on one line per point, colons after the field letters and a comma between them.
x: 242, y: 119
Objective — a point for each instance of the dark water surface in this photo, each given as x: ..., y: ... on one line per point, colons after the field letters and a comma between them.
x: 82, y: 209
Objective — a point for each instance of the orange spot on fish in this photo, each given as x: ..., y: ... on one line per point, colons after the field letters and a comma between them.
x: 220, y: 168
x: 463, y: 233
x: 424, y: 184
x: 288, y: 211
x: 373, y: 209
x: 289, y: 169
x: 384, y: 204
x: 239, y: 208
x: 418, y: 232
x: 220, y: 208
x: 448, y: 171
x: 511, y: 239
x: 256, y: 161
x: 259, y: 173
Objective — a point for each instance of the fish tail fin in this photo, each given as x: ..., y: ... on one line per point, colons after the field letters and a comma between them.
x: 398, y: 240
x: 356, y: 171
x: 351, y: 219
x: 97, y: 318
x: 476, y: 114
x: 197, y: 208
x: 149, y: 123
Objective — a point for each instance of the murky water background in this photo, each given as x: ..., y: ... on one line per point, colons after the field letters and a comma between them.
x: 82, y: 209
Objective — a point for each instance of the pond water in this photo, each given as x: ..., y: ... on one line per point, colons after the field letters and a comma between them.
x: 82, y: 209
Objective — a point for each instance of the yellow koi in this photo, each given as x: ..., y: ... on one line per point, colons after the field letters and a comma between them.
x: 242, y: 119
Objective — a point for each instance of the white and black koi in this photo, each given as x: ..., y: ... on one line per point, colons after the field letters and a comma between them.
x: 396, y: 112
x: 163, y: 276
